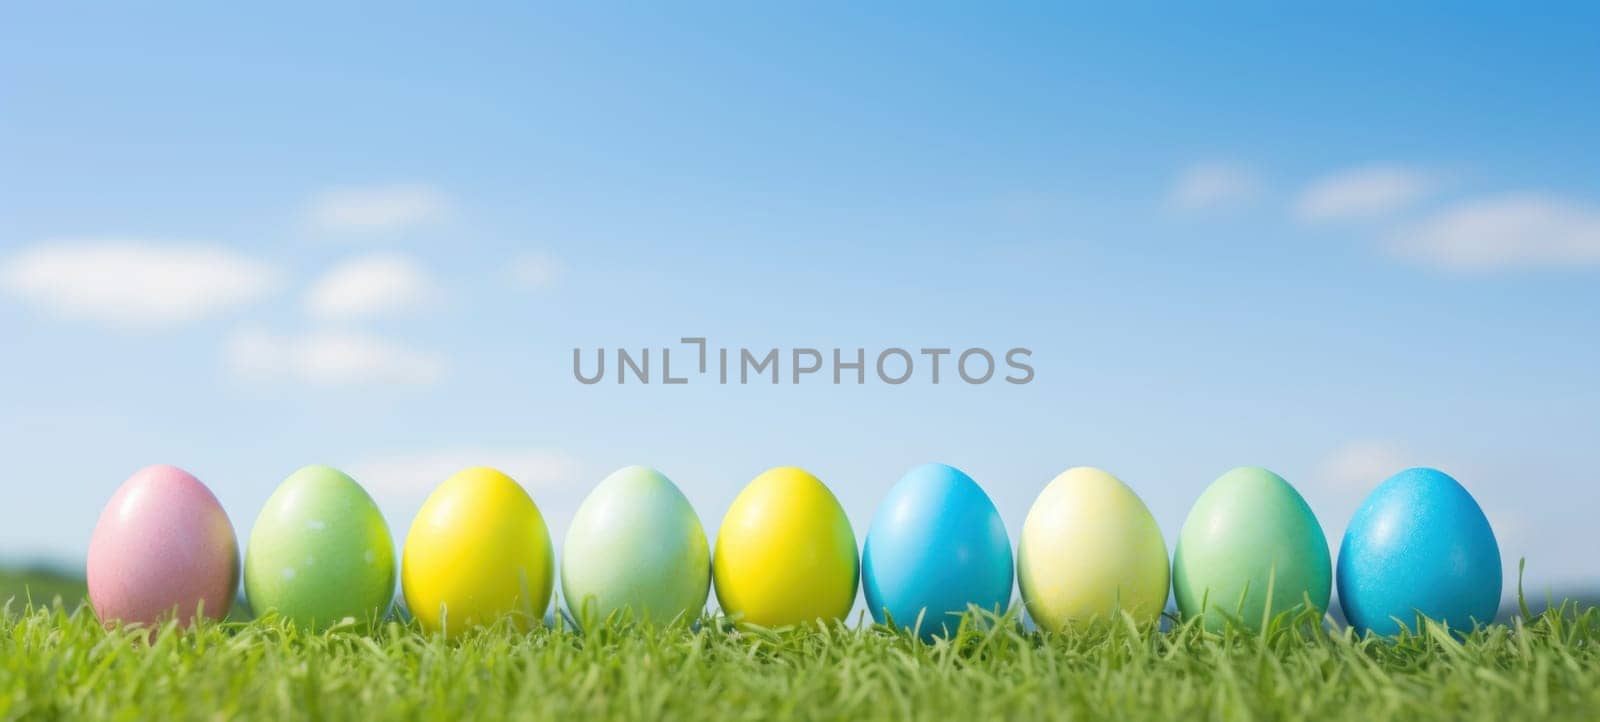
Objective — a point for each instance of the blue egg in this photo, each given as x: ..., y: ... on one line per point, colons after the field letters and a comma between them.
x: 936, y: 544
x: 1419, y: 544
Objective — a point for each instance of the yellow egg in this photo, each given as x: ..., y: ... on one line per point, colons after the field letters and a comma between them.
x: 1090, y: 548
x: 478, y: 551
x: 785, y: 553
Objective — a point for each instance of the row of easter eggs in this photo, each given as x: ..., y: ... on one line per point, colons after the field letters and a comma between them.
x: 479, y: 551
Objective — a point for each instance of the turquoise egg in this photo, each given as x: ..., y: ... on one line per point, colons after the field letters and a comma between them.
x: 1419, y: 545
x: 936, y: 545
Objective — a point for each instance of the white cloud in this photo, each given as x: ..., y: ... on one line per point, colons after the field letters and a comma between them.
x: 370, y: 286
x: 1214, y: 186
x: 414, y: 473
x: 535, y: 270
x: 330, y: 359
x: 1501, y: 232
x: 1511, y: 532
x: 1360, y: 466
x: 377, y: 208
x: 135, y: 283
x: 1363, y: 193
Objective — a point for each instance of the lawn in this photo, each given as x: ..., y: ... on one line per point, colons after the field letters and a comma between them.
x: 41, y: 585
x: 57, y: 663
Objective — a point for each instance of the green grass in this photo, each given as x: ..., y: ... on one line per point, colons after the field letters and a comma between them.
x: 42, y: 586
x: 59, y: 664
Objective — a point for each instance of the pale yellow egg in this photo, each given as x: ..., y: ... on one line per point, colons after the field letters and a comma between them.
x: 1090, y: 548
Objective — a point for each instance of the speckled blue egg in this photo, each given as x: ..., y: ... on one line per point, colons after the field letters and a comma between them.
x: 936, y: 544
x: 1419, y: 544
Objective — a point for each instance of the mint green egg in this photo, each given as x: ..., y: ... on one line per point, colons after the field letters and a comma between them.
x: 635, y: 547
x: 1250, y: 549
x: 320, y: 552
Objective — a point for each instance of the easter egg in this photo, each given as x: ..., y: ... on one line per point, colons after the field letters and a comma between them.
x: 785, y: 553
x: 163, y: 546
x: 1250, y: 549
x: 1091, y: 549
x: 320, y: 552
x: 1419, y: 544
x: 936, y: 545
x: 636, y: 546
x: 478, y: 551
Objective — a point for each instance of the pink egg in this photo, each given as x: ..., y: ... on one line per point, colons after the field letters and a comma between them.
x: 162, y: 545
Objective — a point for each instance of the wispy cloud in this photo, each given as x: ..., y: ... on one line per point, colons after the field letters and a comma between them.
x: 1214, y: 186
x: 370, y: 286
x: 330, y: 359
x: 410, y: 473
x: 1363, y: 193
x: 135, y: 283
x: 535, y: 270
x: 1360, y: 466
x: 365, y: 209
x: 1504, y: 232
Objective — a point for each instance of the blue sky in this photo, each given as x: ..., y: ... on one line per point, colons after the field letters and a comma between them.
x: 1335, y: 246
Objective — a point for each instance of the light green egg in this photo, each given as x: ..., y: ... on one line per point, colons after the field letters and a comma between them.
x: 635, y: 547
x: 320, y: 552
x: 1250, y: 549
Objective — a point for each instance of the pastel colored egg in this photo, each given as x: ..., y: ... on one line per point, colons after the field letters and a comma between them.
x: 320, y: 552
x: 785, y: 553
x: 1419, y: 544
x: 636, y: 546
x: 478, y: 551
x: 163, y: 547
x: 1091, y: 549
x: 936, y: 545
x: 1250, y: 549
